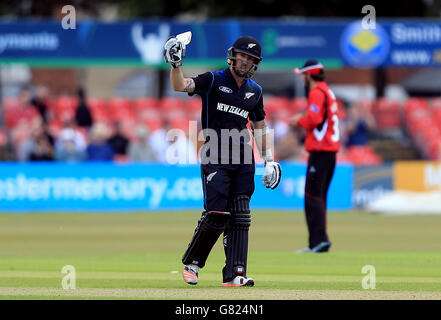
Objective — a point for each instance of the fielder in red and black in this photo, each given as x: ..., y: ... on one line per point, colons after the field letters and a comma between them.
x: 229, y: 100
x: 322, y: 142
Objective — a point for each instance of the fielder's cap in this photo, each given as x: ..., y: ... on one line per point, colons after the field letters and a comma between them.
x: 311, y: 66
x: 248, y: 45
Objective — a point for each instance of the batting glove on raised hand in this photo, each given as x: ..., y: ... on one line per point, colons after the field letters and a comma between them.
x: 174, y: 52
x: 273, y: 174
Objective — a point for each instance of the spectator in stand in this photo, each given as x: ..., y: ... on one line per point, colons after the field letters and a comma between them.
x: 68, y: 147
x: 181, y: 150
x: 140, y: 149
x: 43, y: 150
x: 280, y: 128
x: 24, y: 149
x: 178, y: 150
x: 26, y: 112
x: 358, y: 125
x: 38, y: 130
x: 40, y: 102
x: 80, y: 139
x: 99, y: 149
x: 118, y: 141
x: 158, y: 142
x: 289, y: 147
x: 83, y: 116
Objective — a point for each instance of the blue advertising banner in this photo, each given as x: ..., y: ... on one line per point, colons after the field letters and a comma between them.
x: 104, y: 186
x: 370, y: 183
x: 285, y: 43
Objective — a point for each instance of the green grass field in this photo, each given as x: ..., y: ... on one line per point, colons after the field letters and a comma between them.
x: 137, y: 256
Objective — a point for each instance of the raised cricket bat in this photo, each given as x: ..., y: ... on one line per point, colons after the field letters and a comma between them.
x: 184, y: 37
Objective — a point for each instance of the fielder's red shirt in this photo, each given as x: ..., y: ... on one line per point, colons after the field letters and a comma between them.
x: 321, y: 120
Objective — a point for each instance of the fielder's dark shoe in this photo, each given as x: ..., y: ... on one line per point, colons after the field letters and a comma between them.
x: 239, y: 281
x: 321, y: 247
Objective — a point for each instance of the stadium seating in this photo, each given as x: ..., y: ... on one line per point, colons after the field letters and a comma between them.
x: 387, y: 114
x: 363, y: 155
x: 297, y: 105
x: 121, y: 109
x: 278, y: 107
x: 64, y: 107
x: 99, y: 110
x: 422, y: 118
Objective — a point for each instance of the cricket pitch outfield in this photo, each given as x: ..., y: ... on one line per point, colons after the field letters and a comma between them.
x: 137, y: 256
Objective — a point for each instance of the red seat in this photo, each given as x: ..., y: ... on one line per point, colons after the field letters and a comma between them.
x: 278, y: 107
x: 341, y: 111
x: 175, y: 114
x: 434, y: 148
x: 149, y: 114
x: 121, y: 109
x: 363, y: 155
x: 435, y: 103
x: 12, y: 115
x: 142, y: 104
x: 298, y: 105
x: 63, y: 103
x: 99, y: 109
x: 153, y: 124
x: 97, y: 104
x: 10, y: 103
x: 64, y: 108
x: 416, y: 125
x: 387, y: 114
x: 437, y: 117
x: 181, y: 124
x: 430, y: 131
x: 172, y: 103
x: 55, y: 126
x: 194, y: 105
x: 412, y: 104
x: 342, y: 156
x: 120, y: 104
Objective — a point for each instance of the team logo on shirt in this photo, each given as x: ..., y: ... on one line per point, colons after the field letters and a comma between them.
x: 210, y: 176
x: 314, y: 108
x: 225, y: 89
x: 248, y: 95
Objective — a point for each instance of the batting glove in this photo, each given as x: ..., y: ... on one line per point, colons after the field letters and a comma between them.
x: 174, y: 52
x: 273, y: 174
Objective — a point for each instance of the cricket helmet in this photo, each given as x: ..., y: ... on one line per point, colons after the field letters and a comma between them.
x: 249, y: 46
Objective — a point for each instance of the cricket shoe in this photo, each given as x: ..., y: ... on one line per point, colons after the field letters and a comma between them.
x: 239, y: 281
x: 321, y: 247
x: 190, y: 274
x: 304, y: 250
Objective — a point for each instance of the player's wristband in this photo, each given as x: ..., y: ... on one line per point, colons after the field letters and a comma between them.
x: 176, y: 64
x: 267, y: 155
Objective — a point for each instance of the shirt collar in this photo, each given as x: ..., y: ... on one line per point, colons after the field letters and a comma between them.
x: 228, y: 72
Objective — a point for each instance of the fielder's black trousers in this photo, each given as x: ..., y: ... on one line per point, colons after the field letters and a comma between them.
x: 321, y: 166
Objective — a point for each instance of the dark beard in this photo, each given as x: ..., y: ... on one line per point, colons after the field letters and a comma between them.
x: 307, y: 88
x: 237, y: 72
